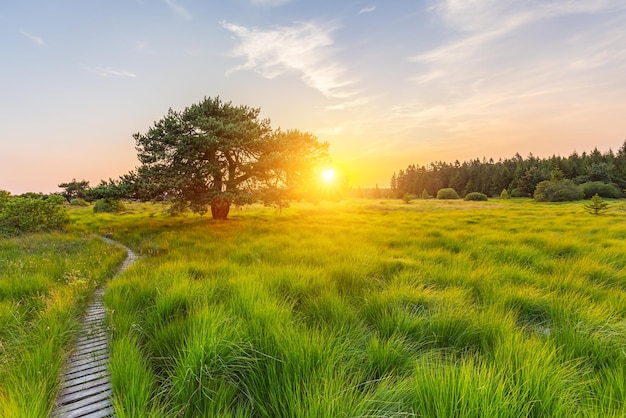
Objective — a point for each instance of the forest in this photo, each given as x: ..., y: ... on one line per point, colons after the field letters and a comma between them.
x: 596, y: 172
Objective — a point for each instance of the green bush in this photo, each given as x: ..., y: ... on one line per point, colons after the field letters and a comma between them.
x: 558, y: 191
x: 108, y: 205
x: 26, y: 214
x: 79, y: 202
x: 408, y: 197
x: 504, y: 194
x: 447, y: 193
x: 601, y: 189
x: 596, y: 206
x: 476, y: 196
x: 425, y: 194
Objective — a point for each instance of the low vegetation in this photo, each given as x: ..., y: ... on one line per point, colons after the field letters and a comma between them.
x: 438, y: 308
x: 45, y: 283
x: 20, y: 215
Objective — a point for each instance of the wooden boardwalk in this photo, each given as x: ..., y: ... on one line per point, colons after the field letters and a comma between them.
x: 85, y: 386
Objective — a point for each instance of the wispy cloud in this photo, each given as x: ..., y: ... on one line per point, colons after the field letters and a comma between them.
x: 367, y: 9
x: 108, y: 72
x: 179, y: 10
x: 495, y: 61
x: 303, y: 48
x: 33, y: 38
x: 269, y: 3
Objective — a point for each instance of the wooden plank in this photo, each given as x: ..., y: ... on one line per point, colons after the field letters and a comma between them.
x: 86, y: 402
x: 84, y: 386
x: 82, y: 394
x: 93, y: 370
x: 84, y: 411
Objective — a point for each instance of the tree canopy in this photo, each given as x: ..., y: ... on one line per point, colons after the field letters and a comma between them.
x: 214, y: 154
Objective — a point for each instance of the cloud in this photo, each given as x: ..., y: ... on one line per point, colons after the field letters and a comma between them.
x: 303, y: 48
x: 367, y: 9
x: 33, y: 38
x: 108, y: 72
x: 179, y: 10
x: 269, y: 3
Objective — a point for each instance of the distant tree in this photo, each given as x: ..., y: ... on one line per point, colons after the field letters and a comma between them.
x: 214, y: 154
x: 504, y: 194
x: 596, y: 206
x: 527, y: 184
x: 74, y: 189
x: 425, y: 194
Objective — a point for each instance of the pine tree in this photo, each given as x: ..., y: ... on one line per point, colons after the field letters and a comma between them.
x: 596, y: 206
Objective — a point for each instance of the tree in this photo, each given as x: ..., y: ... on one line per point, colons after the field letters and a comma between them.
x: 75, y: 189
x: 596, y: 206
x: 214, y: 154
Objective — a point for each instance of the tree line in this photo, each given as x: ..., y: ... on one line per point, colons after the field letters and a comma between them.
x: 597, y: 172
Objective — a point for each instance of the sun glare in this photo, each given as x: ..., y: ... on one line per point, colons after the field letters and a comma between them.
x: 328, y: 175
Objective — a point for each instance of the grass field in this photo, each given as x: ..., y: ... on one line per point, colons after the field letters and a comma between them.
x: 369, y: 309
x: 45, y: 282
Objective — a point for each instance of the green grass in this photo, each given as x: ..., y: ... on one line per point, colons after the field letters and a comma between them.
x: 369, y: 308
x: 45, y: 283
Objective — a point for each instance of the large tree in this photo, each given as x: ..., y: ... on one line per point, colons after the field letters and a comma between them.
x: 214, y: 154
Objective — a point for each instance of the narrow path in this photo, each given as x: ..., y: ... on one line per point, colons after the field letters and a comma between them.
x: 85, y: 388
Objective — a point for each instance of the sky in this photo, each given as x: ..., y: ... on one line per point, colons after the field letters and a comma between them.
x: 386, y: 83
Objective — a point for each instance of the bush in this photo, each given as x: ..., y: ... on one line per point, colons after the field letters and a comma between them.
x: 79, y: 202
x: 596, y: 206
x: 108, y: 205
x: 425, y: 194
x: 504, y: 194
x: 515, y: 193
x: 601, y: 189
x: 447, y: 193
x: 558, y: 191
x: 26, y: 214
x: 408, y: 197
x: 476, y: 197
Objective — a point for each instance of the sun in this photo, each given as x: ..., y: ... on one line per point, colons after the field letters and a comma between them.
x: 328, y: 175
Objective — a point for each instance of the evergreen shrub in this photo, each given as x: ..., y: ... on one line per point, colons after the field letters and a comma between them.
x: 447, y: 193
x: 558, y: 191
x: 607, y: 190
x: 108, y: 205
x: 27, y: 214
x: 476, y: 197
x: 79, y: 202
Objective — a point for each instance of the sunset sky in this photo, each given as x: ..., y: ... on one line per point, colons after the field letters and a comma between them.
x: 386, y: 83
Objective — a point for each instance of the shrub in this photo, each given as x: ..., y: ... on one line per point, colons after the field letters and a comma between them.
x: 108, y: 205
x: 601, y: 189
x: 447, y: 193
x: 79, y: 202
x: 596, y: 206
x: 425, y: 194
x: 26, y: 214
x: 557, y: 191
x: 476, y: 196
x: 516, y: 193
x: 408, y: 197
x: 504, y: 194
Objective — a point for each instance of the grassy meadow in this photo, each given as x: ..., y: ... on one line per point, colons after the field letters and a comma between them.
x: 370, y: 309
x: 360, y: 308
x: 46, y: 281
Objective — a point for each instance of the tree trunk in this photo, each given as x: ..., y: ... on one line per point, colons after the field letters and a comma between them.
x: 220, y: 208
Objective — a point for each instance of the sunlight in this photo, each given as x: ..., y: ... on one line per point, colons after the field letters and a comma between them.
x: 328, y: 175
